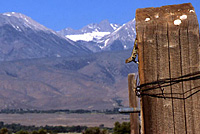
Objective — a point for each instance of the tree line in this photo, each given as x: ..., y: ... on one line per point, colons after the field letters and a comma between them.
x: 14, y: 128
x: 67, y: 111
x: 119, y: 128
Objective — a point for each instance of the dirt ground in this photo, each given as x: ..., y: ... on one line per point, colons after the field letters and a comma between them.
x: 63, y: 119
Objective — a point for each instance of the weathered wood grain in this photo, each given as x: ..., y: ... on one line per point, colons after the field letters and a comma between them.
x: 133, y: 103
x: 168, y: 43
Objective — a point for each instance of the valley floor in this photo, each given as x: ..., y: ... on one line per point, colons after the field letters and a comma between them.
x: 63, y: 119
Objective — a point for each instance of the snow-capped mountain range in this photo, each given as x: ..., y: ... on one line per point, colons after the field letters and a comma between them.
x: 103, y: 36
x: 21, y: 37
x: 90, y: 32
x: 44, y: 69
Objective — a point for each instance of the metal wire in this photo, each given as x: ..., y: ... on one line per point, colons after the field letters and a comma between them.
x: 162, y: 83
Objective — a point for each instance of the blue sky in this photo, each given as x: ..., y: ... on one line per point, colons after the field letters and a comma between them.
x: 59, y: 14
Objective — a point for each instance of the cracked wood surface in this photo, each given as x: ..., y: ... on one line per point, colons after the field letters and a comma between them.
x: 168, y: 43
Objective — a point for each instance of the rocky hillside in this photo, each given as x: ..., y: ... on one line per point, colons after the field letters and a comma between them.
x: 97, y: 81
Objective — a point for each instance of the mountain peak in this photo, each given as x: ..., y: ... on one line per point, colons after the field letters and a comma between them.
x: 90, y: 32
x: 18, y: 15
x: 20, y: 21
x: 23, y: 38
x: 104, y: 35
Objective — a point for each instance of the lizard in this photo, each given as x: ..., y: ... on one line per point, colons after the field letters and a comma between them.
x: 134, y: 53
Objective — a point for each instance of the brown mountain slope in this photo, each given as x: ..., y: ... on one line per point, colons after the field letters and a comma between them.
x: 96, y: 81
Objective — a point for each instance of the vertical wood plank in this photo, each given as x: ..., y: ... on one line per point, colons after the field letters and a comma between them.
x: 140, y: 36
x: 176, y: 70
x: 150, y: 59
x: 133, y: 103
x: 185, y: 64
x: 168, y: 63
x: 164, y: 73
x: 194, y: 101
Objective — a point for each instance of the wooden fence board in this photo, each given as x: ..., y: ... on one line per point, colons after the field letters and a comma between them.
x: 163, y: 73
x: 193, y: 35
x: 168, y: 43
x: 175, y: 70
x: 133, y: 103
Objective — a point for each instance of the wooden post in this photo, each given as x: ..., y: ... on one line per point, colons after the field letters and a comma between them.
x: 168, y: 43
x: 134, y: 118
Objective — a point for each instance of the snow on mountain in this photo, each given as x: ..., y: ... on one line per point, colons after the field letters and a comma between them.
x: 25, y: 21
x: 114, y: 26
x: 23, y: 38
x: 122, y: 38
x: 91, y: 32
x: 88, y: 36
x: 103, y: 36
x: 43, y: 78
